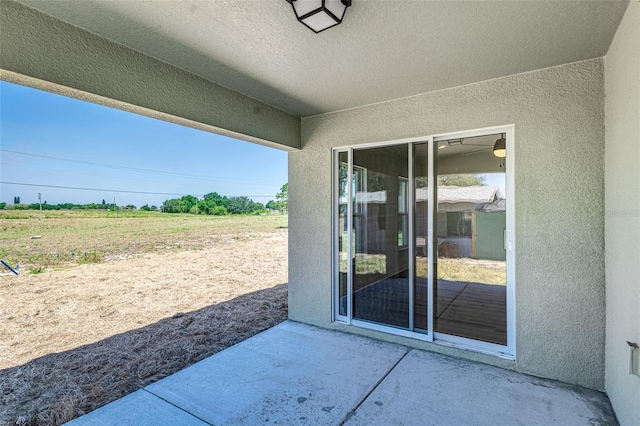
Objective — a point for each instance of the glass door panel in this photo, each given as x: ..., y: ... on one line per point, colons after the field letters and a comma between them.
x: 380, y: 215
x: 470, y: 289
x: 343, y: 241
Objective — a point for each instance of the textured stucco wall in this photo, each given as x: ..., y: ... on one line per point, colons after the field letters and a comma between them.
x: 622, y: 213
x: 559, y: 184
x: 43, y: 52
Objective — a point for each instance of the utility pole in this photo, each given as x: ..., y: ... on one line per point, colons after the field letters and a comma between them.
x: 40, y: 201
x: 115, y: 208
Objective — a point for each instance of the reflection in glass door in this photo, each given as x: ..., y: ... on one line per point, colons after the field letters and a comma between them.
x: 380, y: 218
x: 471, y: 282
x: 420, y: 240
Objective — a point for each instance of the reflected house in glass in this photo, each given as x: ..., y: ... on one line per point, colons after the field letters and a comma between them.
x: 459, y: 207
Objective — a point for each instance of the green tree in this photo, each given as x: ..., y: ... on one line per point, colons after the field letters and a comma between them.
x: 175, y: 205
x: 214, y: 199
x: 342, y: 176
x: 189, y: 202
x: 240, y: 205
x: 258, y: 208
x: 461, y: 180
x: 283, y: 197
x: 272, y: 205
x: 204, y: 207
x: 219, y: 211
x: 453, y: 180
x: 375, y: 182
x: 2, y: 206
x: 244, y: 205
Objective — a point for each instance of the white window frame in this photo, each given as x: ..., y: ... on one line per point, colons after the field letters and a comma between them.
x: 507, y: 351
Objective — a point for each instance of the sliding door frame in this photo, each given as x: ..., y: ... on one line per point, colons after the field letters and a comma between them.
x: 507, y: 351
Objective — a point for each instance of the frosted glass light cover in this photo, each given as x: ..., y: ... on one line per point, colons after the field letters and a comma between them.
x: 302, y: 7
x: 336, y: 7
x: 318, y: 15
x: 320, y: 21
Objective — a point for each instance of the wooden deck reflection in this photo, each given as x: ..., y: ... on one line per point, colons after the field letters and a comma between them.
x: 473, y: 310
x: 476, y: 311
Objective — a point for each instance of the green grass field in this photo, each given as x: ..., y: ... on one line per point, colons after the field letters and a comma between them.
x: 450, y: 269
x: 65, y: 236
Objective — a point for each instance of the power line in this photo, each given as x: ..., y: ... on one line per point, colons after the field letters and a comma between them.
x: 141, y: 170
x: 89, y: 189
x: 22, y: 165
x: 13, y: 164
x: 120, y: 191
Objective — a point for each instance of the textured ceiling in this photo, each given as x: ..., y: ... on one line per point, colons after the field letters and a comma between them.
x: 383, y: 50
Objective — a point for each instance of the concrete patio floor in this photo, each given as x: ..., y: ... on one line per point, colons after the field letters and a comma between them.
x: 299, y: 374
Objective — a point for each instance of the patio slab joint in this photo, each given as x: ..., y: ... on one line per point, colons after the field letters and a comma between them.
x: 373, y: 388
x: 174, y: 405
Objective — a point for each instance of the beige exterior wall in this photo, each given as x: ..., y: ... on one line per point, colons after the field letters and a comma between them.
x: 622, y: 214
x: 559, y: 186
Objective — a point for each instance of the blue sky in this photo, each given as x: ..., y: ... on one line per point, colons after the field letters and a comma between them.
x: 173, y: 158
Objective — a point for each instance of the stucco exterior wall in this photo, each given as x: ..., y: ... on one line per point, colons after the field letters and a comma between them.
x: 622, y: 214
x: 559, y: 186
x: 48, y: 54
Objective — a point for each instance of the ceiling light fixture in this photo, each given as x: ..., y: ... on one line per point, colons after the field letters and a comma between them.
x: 319, y: 15
x: 500, y: 147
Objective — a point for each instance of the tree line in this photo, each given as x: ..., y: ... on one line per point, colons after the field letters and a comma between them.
x: 211, y: 204
x: 64, y: 206
x: 219, y: 205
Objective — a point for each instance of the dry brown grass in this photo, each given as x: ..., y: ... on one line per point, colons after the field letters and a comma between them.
x: 77, y: 338
x: 58, y: 387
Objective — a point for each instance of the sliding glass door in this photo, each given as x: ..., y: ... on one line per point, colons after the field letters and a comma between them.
x: 422, y: 240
